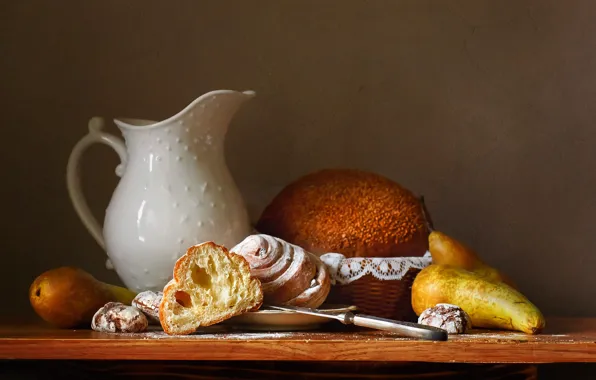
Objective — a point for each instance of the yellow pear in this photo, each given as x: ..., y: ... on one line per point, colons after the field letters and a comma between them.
x: 68, y: 297
x: 446, y: 250
x: 490, y: 304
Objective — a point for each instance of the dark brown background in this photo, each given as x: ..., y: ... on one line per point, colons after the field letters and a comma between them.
x: 485, y: 107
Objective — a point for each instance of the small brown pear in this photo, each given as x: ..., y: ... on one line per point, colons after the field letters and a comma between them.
x: 446, y: 250
x: 490, y: 304
x: 67, y: 297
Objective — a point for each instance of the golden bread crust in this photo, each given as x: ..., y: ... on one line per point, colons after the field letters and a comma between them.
x: 348, y: 211
x: 206, y: 313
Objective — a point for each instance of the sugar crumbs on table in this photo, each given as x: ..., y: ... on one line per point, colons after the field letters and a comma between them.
x: 221, y: 336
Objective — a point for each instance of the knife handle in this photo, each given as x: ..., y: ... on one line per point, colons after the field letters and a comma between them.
x: 413, y: 330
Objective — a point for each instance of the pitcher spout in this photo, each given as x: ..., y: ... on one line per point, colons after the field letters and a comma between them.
x: 215, y: 108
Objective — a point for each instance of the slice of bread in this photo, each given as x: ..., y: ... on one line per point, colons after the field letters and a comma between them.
x: 209, y: 286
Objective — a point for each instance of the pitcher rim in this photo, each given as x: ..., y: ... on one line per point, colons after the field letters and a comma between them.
x: 121, y: 121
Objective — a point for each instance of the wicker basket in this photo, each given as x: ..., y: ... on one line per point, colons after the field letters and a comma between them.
x: 381, y: 298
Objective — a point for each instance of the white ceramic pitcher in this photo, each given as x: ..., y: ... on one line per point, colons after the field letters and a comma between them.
x: 175, y: 189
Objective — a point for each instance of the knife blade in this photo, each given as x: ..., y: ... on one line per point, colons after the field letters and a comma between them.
x: 409, y: 329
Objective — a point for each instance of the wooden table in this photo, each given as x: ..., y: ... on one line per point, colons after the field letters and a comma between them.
x: 565, y: 340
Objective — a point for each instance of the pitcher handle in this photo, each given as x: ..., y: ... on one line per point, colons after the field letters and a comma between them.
x: 73, y: 181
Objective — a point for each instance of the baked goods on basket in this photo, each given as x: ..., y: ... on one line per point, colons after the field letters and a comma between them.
x: 348, y: 211
x: 371, y: 221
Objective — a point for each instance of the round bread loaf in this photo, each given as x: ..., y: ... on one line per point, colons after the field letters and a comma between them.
x: 348, y: 211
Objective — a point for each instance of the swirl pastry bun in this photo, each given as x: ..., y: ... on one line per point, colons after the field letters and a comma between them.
x: 289, y: 275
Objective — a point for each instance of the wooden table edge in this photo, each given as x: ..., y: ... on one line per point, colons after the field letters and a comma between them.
x: 285, y: 350
x: 569, y: 340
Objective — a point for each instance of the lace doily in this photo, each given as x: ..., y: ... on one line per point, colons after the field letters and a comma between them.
x: 346, y: 270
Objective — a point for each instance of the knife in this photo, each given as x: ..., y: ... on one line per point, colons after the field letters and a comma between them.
x: 414, y: 330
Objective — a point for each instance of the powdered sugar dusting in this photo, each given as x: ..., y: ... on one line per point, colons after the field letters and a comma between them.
x: 223, y: 333
x: 226, y: 336
x: 148, y: 302
x: 499, y: 335
x: 117, y: 317
x: 446, y: 316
